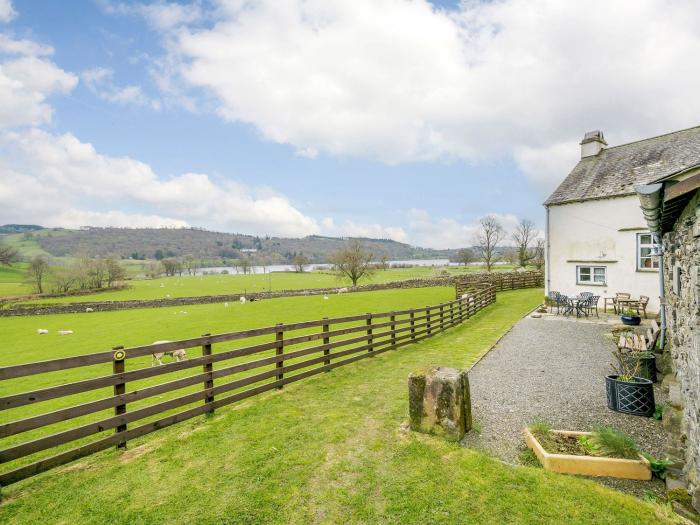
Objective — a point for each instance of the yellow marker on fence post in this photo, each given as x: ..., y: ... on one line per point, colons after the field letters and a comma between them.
x: 119, y: 388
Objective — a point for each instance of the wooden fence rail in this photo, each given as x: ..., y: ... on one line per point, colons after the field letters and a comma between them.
x: 289, y: 348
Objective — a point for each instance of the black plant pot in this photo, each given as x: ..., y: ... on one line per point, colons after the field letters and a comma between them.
x: 635, y: 398
x: 631, y: 320
x: 647, y: 365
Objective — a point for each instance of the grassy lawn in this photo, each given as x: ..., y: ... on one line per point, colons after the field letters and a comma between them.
x: 11, y: 278
x: 329, y: 449
x: 188, y: 286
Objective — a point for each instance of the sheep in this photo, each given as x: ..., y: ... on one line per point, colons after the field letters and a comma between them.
x: 225, y: 305
x: 88, y: 310
x: 325, y: 297
x: 65, y: 332
x: 342, y: 290
x: 42, y: 331
x: 242, y: 299
x: 178, y: 355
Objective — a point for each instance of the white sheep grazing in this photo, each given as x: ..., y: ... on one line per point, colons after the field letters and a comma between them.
x: 342, y: 290
x: 225, y: 305
x: 178, y: 355
x: 42, y: 331
x: 242, y: 299
x: 65, y: 332
x: 88, y: 310
x: 325, y: 297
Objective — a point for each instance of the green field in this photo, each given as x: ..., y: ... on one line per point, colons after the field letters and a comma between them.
x: 329, y: 449
x: 189, y: 286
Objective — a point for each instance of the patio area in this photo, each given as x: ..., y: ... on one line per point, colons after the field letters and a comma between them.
x: 553, y: 368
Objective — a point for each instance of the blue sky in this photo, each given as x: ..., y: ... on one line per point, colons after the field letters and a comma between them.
x: 396, y: 119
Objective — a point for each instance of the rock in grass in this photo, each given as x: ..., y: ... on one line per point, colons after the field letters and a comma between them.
x: 439, y: 402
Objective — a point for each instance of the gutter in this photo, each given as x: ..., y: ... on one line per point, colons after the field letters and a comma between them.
x: 651, y: 199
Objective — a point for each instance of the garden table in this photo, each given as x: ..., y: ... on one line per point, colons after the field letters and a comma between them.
x: 576, y: 304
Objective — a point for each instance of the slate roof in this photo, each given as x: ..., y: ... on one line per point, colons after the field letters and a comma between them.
x: 615, y: 171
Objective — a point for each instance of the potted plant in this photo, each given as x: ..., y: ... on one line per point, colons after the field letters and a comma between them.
x: 630, y: 317
x: 644, y: 362
x: 627, y: 392
x: 603, y: 452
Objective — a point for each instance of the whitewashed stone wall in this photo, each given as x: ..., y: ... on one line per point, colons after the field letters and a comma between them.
x: 682, y: 417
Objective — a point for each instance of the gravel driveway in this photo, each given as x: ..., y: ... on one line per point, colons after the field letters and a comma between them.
x: 554, y: 369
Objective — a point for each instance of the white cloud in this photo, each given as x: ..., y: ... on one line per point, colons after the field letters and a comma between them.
x: 73, y: 218
x: 51, y: 178
x: 441, y: 232
x: 25, y: 84
x: 7, y: 12
x: 160, y: 15
x: 402, y: 81
x: 12, y: 46
x: 99, y: 81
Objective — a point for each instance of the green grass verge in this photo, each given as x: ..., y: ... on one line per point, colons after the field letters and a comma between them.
x: 330, y: 449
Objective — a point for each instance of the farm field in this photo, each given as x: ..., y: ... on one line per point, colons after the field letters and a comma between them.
x: 11, y: 278
x: 189, y: 286
x: 328, y: 449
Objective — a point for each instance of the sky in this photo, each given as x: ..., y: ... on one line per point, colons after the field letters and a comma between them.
x: 397, y: 119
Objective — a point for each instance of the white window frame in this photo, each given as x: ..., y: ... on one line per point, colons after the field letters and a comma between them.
x: 591, y: 275
x: 654, y: 259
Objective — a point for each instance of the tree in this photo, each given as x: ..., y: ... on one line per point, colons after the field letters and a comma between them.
x: 245, y: 265
x: 465, y: 256
x: 487, y: 238
x: 191, y: 264
x: 300, y: 261
x: 538, y: 254
x: 154, y: 270
x: 8, y: 255
x: 171, y: 266
x: 523, y: 236
x: 115, y: 271
x: 353, y: 261
x: 36, y: 272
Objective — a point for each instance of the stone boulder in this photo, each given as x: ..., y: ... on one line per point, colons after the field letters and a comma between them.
x: 439, y: 402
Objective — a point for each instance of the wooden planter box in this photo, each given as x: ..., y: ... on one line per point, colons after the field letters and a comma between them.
x: 588, y: 465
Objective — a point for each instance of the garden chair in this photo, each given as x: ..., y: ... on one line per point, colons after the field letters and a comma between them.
x: 640, y: 305
x: 553, y: 301
x: 592, y: 304
x: 620, y: 299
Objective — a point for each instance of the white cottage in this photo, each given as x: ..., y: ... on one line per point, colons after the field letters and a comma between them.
x: 597, y: 238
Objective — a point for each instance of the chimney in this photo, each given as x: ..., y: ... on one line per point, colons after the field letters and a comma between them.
x: 592, y: 143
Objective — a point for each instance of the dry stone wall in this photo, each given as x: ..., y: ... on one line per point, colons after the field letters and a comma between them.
x: 682, y: 417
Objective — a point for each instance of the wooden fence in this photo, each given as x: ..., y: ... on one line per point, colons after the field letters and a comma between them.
x: 502, y: 281
x: 282, y: 353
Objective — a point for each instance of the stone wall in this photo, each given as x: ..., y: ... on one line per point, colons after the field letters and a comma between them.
x: 463, y: 283
x: 681, y: 417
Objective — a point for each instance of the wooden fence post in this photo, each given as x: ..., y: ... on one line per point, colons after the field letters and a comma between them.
x: 208, y: 369
x: 279, y: 337
x: 393, y: 329
x: 370, y: 339
x: 120, y: 388
x: 326, y: 340
x: 413, y: 324
x: 442, y: 317
x: 427, y: 320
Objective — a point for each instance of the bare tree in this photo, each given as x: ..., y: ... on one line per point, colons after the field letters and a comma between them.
x: 465, y: 256
x: 382, y: 260
x: 538, y: 254
x: 353, y: 262
x: 191, y: 264
x: 171, y: 266
x: 36, y: 272
x: 245, y: 265
x: 523, y: 236
x: 154, y: 269
x: 300, y: 261
x: 8, y: 255
x: 488, y: 237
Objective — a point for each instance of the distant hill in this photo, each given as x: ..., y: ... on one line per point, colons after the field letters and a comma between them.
x: 19, y: 228
x: 158, y: 243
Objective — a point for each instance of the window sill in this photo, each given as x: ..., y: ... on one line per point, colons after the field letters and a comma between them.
x: 591, y: 284
x: 648, y: 270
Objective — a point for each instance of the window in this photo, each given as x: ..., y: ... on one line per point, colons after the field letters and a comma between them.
x: 595, y: 275
x: 645, y: 242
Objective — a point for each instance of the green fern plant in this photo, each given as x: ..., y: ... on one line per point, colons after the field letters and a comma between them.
x: 613, y: 443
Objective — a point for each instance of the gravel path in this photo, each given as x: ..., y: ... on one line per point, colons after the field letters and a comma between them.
x: 554, y: 369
